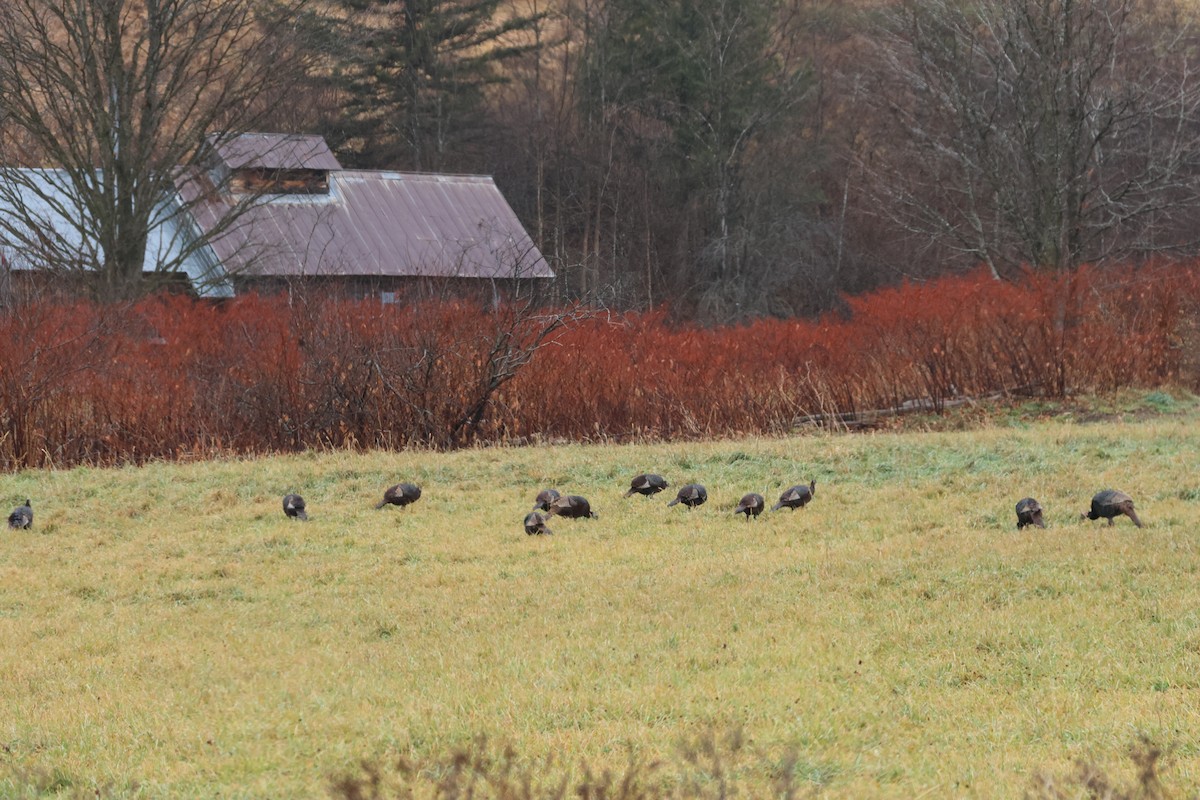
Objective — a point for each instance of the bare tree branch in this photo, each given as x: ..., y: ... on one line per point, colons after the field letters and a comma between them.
x: 1042, y: 132
x: 122, y: 98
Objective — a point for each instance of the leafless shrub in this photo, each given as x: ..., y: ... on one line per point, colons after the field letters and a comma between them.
x: 707, y: 767
x: 1090, y: 781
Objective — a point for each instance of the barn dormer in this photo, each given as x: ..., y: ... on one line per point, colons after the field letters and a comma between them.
x: 274, y: 163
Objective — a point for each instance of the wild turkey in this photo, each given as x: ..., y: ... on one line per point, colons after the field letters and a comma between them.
x: 751, y: 505
x: 544, y: 498
x: 691, y: 496
x: 1109, y: 504
x: 647, y: 484
x: 293, y: 506
x: 796, y: 497
x: 571, y: 506
x: 535, y: 523
x: 400, y: 495
x: 1029, y: 512
x: 22, y: 517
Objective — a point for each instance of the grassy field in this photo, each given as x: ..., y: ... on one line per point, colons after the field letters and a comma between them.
x: 166, y: 632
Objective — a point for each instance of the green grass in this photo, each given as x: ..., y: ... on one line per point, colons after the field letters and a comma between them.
x: 166, y: 632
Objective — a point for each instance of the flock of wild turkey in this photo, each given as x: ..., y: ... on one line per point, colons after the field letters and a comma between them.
x: 549, y: 503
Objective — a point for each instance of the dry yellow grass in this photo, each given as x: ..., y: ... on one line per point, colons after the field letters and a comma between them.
x: 167, y: 632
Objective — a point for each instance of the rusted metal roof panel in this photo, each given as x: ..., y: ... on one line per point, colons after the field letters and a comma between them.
x: 379, y: 224
x: 276, y: 151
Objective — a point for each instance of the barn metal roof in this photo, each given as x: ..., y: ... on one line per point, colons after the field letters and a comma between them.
x: 47, y: 195
x: 377, y: 224
x: 276, y: 151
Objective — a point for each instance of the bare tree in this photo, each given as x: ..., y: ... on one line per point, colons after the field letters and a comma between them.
x: 1039, y: 132
x: 123, y: 99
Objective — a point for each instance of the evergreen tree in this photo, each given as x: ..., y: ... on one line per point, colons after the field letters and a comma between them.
x: 415, y: 74
x: 697, y: 84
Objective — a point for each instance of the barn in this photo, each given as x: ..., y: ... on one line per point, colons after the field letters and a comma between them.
x: 300, y: 219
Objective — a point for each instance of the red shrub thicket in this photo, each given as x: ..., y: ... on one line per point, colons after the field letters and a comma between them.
x: 170, y: 377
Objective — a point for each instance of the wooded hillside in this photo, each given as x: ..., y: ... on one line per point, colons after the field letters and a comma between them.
x: 735, y: 158
x: 729, y: 158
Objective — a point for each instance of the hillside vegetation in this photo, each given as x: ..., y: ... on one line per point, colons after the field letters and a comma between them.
x: 168, y: 633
